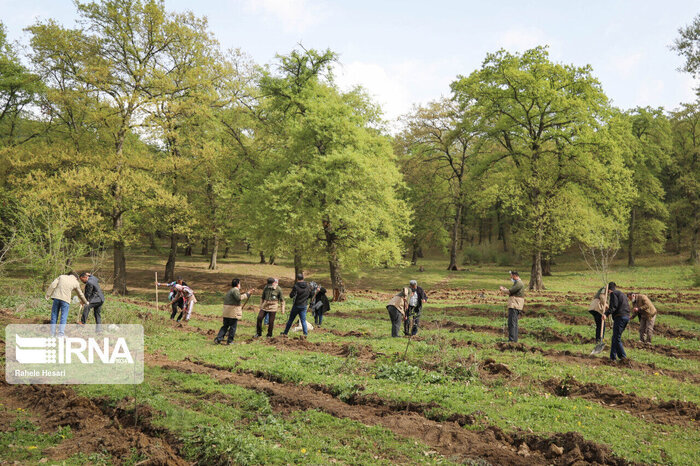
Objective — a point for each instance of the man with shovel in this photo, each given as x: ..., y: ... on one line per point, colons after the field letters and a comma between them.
x: 597, y: 309
x: 619, y: 309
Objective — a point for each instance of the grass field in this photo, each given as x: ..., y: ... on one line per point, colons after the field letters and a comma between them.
x: 349, y: 394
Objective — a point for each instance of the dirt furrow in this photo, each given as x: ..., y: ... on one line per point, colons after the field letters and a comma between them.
x: 448, y: 438
x: 92, y: 429
x: 674, y: 412
x: 578, y: 358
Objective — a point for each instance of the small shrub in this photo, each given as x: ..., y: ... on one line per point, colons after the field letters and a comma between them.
x: 398, y: 372
x: 486, y: 254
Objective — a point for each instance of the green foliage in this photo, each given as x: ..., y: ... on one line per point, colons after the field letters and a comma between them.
x: 487, y: 254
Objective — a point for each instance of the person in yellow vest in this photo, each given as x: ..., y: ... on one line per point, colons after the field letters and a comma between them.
x: 233, y: 312
x: 645, y: 309
x: 516, y: 302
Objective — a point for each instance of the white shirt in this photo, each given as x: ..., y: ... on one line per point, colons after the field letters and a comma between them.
x: 414, y: 299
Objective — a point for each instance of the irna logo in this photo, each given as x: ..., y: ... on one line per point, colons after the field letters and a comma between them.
x: 66, y: 350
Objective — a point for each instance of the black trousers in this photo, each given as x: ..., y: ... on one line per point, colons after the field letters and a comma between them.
x: 513, y: 316
x: 598, y: 324
x: 97, y: 310
x: 395, y: 317
x: 177, y: 304
x: 270, y: 326
x: 410, y: 325
x: 230, y: 326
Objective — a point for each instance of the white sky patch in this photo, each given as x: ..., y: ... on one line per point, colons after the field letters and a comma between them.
x: 627, y: 64
x: 521, y: 39
x: 648, y: 92
x: 296, y: 16
x: 399, y: 86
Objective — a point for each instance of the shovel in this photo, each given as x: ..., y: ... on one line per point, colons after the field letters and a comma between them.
x: 600, y: 346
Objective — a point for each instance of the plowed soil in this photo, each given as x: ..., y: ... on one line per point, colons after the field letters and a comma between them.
x: 448, y: 438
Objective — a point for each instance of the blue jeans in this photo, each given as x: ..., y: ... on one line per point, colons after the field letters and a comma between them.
x: 616, y: 348
x: 61, y: 307
x: 297, y: 311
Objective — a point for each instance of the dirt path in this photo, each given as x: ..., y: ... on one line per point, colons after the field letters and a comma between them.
x: 448, y: 438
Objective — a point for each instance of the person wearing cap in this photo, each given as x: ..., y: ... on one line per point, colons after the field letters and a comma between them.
x: 177, y: 303
x: 516, y: 302
x: 619, y: 309
x: 645, y: 309
x: 233, y: 312
x: 272, y: 299
x: 397, y: 308
x: 415, y: 306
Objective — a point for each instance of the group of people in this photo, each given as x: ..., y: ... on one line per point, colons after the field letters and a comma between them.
x: 303, y: 295
x: 405, y: 307
x: 60, y: 292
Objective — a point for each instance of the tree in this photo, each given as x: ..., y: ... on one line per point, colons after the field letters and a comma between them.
x: 450, y: 140
x: 119, y: 61
x: 649, y: 157
x: 333, y: 176
x: 18, y: 89
x: 685, y: 174
x: 545, y: 119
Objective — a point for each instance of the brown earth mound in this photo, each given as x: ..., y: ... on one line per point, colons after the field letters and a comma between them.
x: 664, y: 412
x: 92, y: 429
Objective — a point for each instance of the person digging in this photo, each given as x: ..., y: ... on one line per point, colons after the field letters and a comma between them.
x: 645, y: 309
x: 597, y: 309
x: 232, y: 312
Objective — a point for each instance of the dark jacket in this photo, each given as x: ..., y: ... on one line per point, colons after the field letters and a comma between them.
x: 93, y: 292
x: 518, y: 289
x: 300, y: 293
x: 323, y: 299
x: 619, y: 305
x: 421, y: 296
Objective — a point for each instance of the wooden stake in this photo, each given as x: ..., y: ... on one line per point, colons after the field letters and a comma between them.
x: 156, y: 291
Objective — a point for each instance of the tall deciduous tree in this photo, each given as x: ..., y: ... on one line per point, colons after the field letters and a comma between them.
x: 120, y: 59
x: 450, y: 140
x: 544, y: 116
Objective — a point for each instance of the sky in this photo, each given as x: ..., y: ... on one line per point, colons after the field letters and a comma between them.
x: 408, y: 52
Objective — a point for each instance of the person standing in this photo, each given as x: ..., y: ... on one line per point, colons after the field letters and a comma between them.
x: 619, y: 309
x: 60, y: 292
x: 301, y: 292
x: 233, y: 312
x: 188, y: 299
x: 397, y: 308
x: 271, y: 300
x: 415, y: 305
x: 597, y: 309
x: 516, y: 303
x: 645, y: 309
x: 321, y: 305
x: 95, y: 298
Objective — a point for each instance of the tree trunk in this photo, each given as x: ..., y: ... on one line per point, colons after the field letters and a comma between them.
x: 481, y: 230
x: 205, y: 247
x: 153, y: 245
x: 334, y: 263
x: 694, y: 240
x: 170, y: 265
x: 420, y: 252
x: 546, y: 266
x: 262, y: 257
x: 536, y: 272
x: 298, y: 268
x: 414, y: 255
x: 630, y: 240
x: 226, y: 252
x: 272, y: 260
x: 214, y: 252
x: 454, y: 238
x: 119, y: 286
x: 188, y: 248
